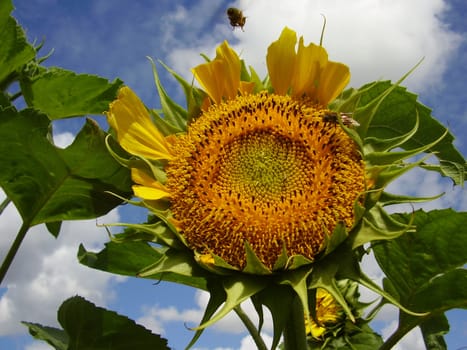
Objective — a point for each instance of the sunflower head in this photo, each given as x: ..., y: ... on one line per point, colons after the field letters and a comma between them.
x: 263, y: 173
x: 265, y: 177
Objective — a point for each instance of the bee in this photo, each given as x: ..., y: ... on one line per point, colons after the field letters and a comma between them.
x: 236, y: 17
x: 346, y: 119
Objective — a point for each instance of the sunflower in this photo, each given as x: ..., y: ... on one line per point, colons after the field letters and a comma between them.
x: 327, y: 313
x: 268, y: 177
x: 260, y: 166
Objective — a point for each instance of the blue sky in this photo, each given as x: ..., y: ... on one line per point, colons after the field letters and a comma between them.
x: 378, y: 40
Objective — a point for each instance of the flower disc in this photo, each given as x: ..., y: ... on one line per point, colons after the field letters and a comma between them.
x: 267, y: 170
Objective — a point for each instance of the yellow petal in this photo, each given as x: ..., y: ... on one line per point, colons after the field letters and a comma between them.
x: 246, y: 87
x: 232, y: 67
x: 147, y: 187
x: 220, y: 78
x: 308, y: 65
x: 136, y: 132
x: 209, y: 76
x: 334, y: 78
x: 280, y: 60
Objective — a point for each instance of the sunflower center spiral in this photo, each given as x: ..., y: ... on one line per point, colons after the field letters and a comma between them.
x: 262, y: 165
x: 267, y: 170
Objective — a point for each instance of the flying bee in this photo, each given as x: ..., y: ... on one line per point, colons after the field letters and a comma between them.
x: 346, y: 119
x: 236, y: 17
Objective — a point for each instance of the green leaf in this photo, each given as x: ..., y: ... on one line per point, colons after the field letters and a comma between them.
x: 54, y: 336
x: 396, y: 116
x: 15, y: 51
x: 131, y: 258
x: 93, y: 328
x: 60, y: 93
x: 48, y: 184
x: 426, y: 267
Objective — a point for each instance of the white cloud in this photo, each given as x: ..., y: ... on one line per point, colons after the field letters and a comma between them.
x: 46, y: 271
x: 64, y: 139
x: 411, y: 341
x: 377, y: 39
x: 158, y: 317
x: 247, y: 342
x: 37, y: 346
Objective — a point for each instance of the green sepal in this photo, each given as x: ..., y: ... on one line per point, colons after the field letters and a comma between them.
x: 365, y: 114
x: 177, y: 262
x: 384, y: 174
x: 217, y: 296
x: 259, y: 84
x: 375, y: 144
x: 378, y: 225
x: 283, y: 259
x: 297, y: 279
x: 339, y: 235
x: 174, y: 114
x: 254, y: 266
x: 343, y: 264
x: 324, y: 276
x: 158, y: 232
x: 381, y: 158
x: 194, y: 96
x: 389, y: 199
x: 162, y: 124
x: 220, y: 266
x: 279, y: 310
x: 238, y: 288
x: 297, y: 261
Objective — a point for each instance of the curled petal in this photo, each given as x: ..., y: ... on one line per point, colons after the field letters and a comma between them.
x: 209, y: 76
x: 220, y: 78
x: 147, y: 187
x: 136, y: 132
x: 280, y: 60
x: 306, y: 77
x: 334, y: 78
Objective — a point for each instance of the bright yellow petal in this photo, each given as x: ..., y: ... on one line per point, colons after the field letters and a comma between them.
x: 246, y: 87
x: 316, y: 331
x: 147, y: 187
x: 308, y: 65
x: 220, y: 78
x: 209, y: 76
x: 136, y: 132
x: 280, y: 60
x: 334, y: 78
x: 232, y: 67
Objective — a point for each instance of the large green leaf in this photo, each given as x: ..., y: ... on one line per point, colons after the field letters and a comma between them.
x: 54, y: 336
x: 129, y: 258
x: 396, y: 116
x: 14, y: 49
x: 89, y: 327
x: 48, y: 184
x: 60, y: 93
x: 426, y: 267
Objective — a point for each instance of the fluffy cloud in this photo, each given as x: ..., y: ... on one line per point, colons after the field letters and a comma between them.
x: 46, y: 271
x: 377, y: 39
x: 156, y: 316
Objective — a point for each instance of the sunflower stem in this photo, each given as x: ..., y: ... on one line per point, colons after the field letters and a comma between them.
x: 13, y: 250
x: 251, y: 328
x: 294, y: 331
